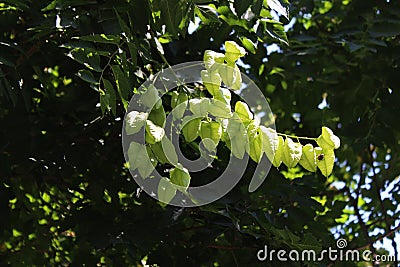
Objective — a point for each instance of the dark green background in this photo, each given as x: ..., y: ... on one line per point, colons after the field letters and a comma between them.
x: 66, y: 198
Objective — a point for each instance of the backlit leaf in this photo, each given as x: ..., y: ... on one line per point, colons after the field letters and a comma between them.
x: 199, y: 107
x: 180, y: 177
x: 328, y: 140
x: 211, y: 57
x: 211, y: 130
x: 139, y: 159
x: 190, y: 130
x: 278, y: 157
x: 308, y: 158
x: 325, y: 165
x: 135, y: 121
x: 255, y: 144
x: 270, y: 142
x: 291, y: 153
x: 154, y: 133
x: 166, y: 190
x: 219, y: 109
x: 212, y: 81
x: 233, y: 51
x: 243, y: 111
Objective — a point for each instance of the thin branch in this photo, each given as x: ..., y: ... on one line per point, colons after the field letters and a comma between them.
x: 298, y: 137
x: 108, y: 64
x: 380, y: 238
x: 383, y: 208
x: 354, y: 201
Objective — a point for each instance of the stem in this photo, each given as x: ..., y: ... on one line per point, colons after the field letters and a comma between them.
x: 297, y: 137
x: 107, y: 65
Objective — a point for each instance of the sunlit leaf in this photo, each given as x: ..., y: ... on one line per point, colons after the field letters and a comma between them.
x: 233, y: 51
x: 291, y: 153
x: 328, y: 140
x: 325, y: 160
x: 154, y: 133
x: 166, y: 190
x: 212, y: 81
x: 180, y: 177
x: 308, y: 158
x: 190, y: 130
x: 199, y: 107
x: 135, y: 121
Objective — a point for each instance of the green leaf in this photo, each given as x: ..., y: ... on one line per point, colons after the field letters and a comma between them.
x: 325, y: 165
x: 243, y: 111
x: 158, y: 116
x: 122, y: 84
x: 46, y: 197
x: 248, y: 44
x: 109, y: 88
x: 178, y: 98
x: 174, y: 99
x: 133, y: 51
x: 328, y: 140
x: 277, y: 6
x: 178, y: 103
x: 101, y: 38
x: 291, y: 153
x: 180, y: 177
x: 87, y: 76
x: 166, y: 190
x: 240, y: 7
x: 123, y: 25
x: 256, y: 7
x: 239, y: 145
x: 152, y: 157
x: 238, y: 137
x: 308, y: 158
x: 211, y: 130
x: 220, y: 109
x: 235, y: 126
x: 233, y: 51
x: 231, y: 76
x: 164, y: 152
x: 206, y: 14
x: 139, y: 159
x: 88, y: 57
x: 154, y: 133
x: 150, y: 98
x: 270, y: 142
x: 169, y: 14
x: 169, y: 151
x: 276, y: 31
x: 210, y: 58
x: 256, y: 145
x: 190, y: 130
x: 278, y: 156
x: 199, y: 107
x: 224, y: 95
x: 158, y: 152
x: 253, y: 129
x: 135, y: 121
x: 104, y: 102
x: 212, y: 81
